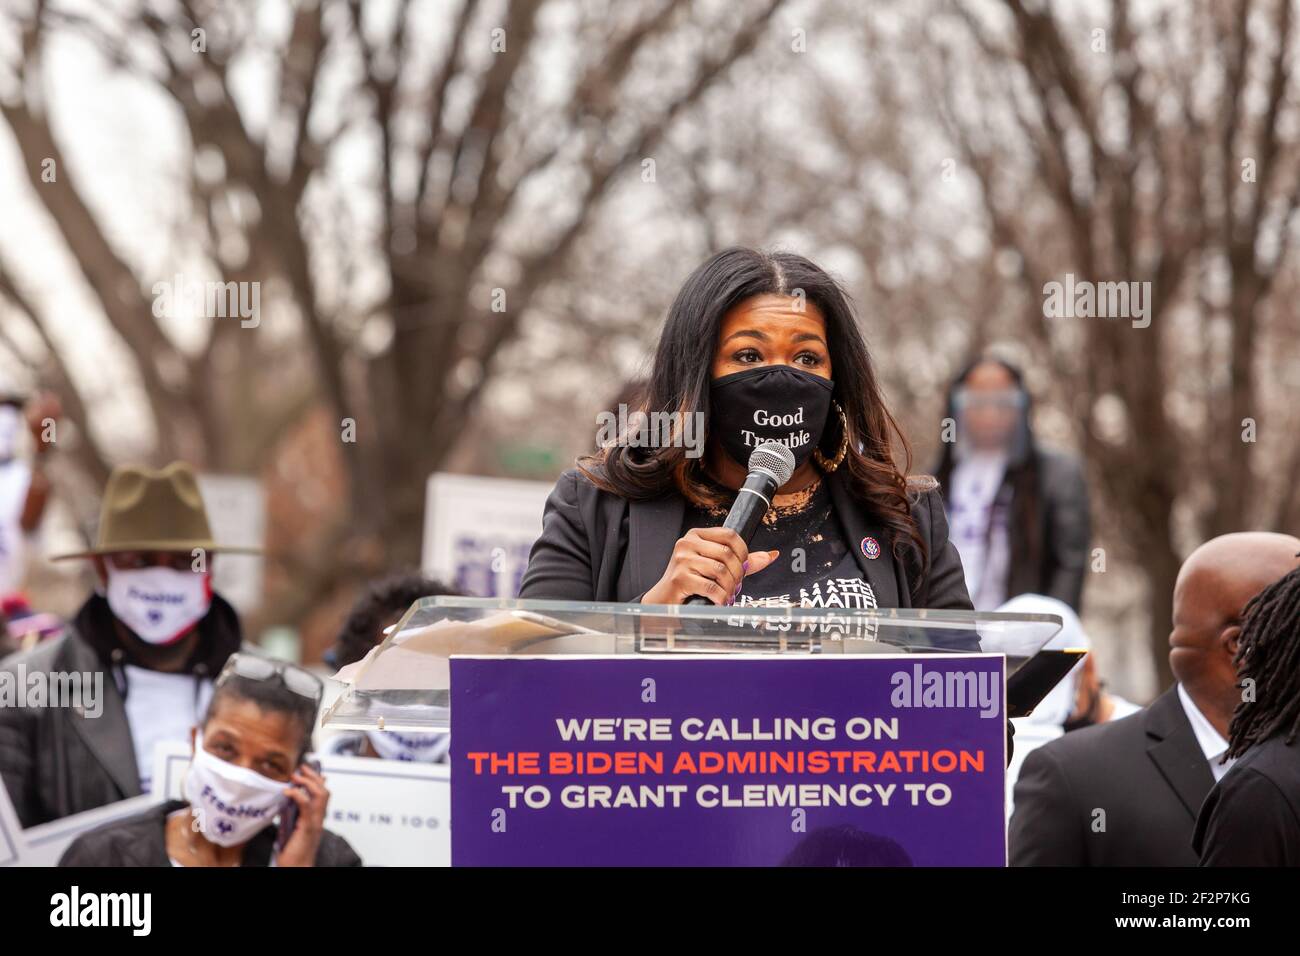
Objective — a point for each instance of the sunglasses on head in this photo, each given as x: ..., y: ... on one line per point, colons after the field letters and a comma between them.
x: 252, y: 667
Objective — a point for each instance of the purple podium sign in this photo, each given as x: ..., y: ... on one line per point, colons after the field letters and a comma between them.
x: 728, y: 761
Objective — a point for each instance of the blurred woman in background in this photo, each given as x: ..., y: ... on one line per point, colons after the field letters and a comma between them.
x: 1018, y: 513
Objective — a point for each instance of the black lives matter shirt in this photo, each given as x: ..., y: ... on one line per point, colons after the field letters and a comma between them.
x: 815, y: 569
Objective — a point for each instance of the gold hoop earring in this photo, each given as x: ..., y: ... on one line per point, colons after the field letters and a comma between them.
x: 829, y: 465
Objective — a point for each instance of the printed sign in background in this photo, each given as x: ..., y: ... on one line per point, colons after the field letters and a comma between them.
x: 236, y: 508
x: 478, y: 531
x: 510, y: 706
x: 43, y: 845
x: 392, y: 812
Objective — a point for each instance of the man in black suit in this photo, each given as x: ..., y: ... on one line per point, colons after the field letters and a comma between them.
x: 1127, y: 793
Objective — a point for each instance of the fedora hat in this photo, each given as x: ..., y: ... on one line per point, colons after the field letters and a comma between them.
x: 148, y: 510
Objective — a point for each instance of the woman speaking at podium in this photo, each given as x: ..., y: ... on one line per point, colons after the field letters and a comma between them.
x: 757, y: 347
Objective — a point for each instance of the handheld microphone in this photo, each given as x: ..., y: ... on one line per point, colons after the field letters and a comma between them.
x: 770, y: 467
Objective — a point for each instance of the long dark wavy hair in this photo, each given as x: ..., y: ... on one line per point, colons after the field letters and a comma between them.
x: 679, y: 382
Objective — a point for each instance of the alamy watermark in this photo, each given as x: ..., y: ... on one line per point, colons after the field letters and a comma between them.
x: 212, y: 300
x: 81, y: 690
x: 133, y: 911
x: 637, y: 429
x: 1082, y: 299
x: 924, y: 688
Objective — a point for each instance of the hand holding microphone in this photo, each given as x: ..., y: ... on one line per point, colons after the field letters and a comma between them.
x: 708, y: 564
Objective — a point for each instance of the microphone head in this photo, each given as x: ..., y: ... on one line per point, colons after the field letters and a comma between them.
x: 773, y: 458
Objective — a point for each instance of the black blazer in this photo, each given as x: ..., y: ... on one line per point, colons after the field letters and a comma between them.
x: 596, y: 546
x: 1146, y: 772
x: 1252, y: 816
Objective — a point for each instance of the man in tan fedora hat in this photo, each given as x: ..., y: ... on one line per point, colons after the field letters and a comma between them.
x: 153, y: 636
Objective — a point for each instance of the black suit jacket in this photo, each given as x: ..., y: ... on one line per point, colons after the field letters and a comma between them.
x: 596, y: 546
x: 1146, y: 772
x: 1252, y: 816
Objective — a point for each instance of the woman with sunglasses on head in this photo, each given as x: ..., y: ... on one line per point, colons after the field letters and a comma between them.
x: 757, y: 347
x: 1019, y: 512
x: 251, y: 798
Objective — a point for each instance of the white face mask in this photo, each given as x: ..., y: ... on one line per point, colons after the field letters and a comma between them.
x: 230, y: 804
x: 418, y: 748
x: 158, y: 604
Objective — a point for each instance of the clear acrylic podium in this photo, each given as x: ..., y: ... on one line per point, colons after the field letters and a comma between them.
x: 404, y: 683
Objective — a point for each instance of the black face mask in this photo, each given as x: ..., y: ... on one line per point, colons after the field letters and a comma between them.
x: 771, y: 403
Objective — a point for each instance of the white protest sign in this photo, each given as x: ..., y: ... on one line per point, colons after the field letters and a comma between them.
x: 392, y: 812
x: 478, y: 531
x: 43, y: 845
x: 236, y: 508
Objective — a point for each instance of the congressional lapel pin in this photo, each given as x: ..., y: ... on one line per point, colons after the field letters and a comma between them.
x: 871, y: 548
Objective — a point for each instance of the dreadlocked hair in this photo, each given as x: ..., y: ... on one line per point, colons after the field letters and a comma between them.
x: 1268, y: 654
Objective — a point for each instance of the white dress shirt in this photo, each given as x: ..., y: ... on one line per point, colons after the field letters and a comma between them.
x: 161, y: 708
x: 1211, y: 741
